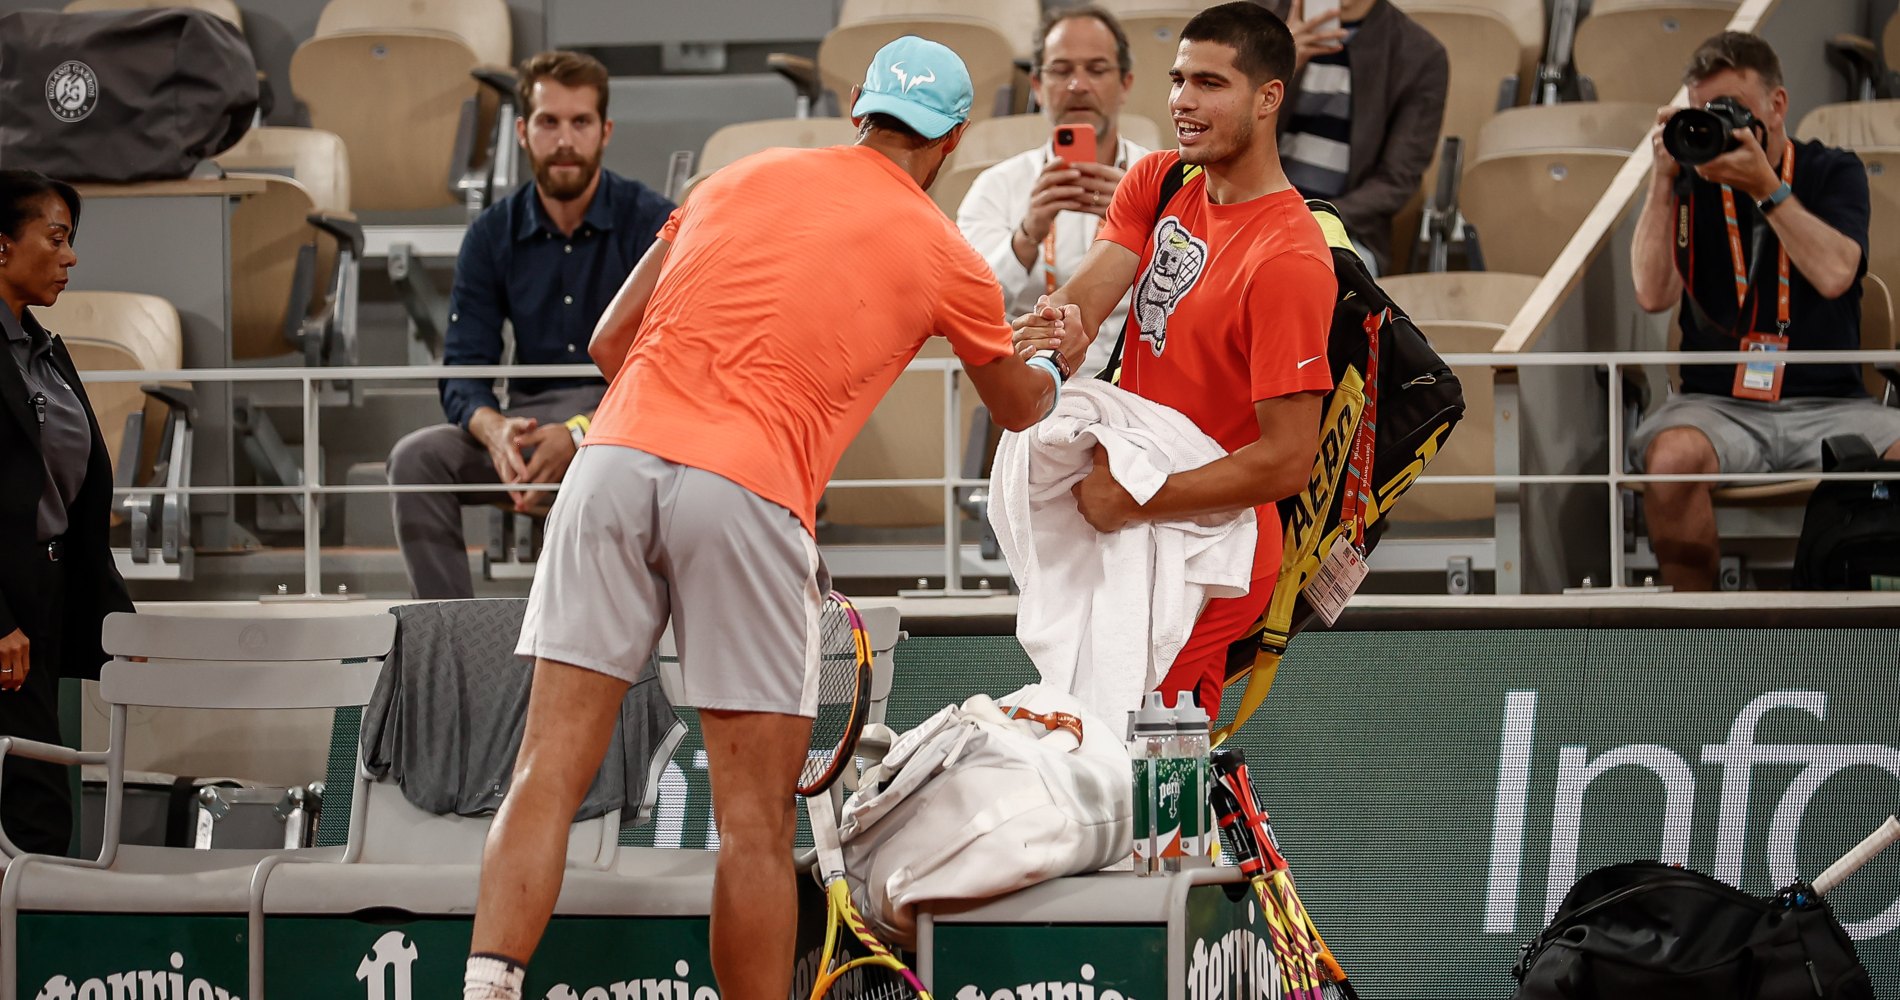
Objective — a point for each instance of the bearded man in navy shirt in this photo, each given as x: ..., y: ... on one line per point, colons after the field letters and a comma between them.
x: 547, y: 260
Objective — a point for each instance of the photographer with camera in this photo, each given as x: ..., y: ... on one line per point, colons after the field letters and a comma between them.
x: 1763, y: 242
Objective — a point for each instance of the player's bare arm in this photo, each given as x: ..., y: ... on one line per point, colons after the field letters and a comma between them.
x: 1271, y: 468
x: 1103, y: 278
x: 620, y: 324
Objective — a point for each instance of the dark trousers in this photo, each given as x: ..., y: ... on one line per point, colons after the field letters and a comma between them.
x: 429, y: 525
x: 36, y: 804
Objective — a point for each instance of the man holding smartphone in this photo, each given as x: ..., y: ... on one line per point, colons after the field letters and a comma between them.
x: 1034, y: 215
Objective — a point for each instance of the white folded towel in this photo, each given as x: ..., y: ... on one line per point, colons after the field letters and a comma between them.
x: 1104, y: 615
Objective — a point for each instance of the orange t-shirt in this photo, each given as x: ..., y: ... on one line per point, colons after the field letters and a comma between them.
x: 799, y: 284
x: 1234, y: 309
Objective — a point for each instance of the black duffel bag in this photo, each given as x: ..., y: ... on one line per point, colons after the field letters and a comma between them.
x: 1645, y: 929
x: 121, y: 96
x: 1850, y: 536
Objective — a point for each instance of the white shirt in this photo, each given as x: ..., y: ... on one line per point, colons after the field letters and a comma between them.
x: 997, y: 203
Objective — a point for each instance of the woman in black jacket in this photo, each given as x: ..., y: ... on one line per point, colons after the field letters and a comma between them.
x: 57, y: 578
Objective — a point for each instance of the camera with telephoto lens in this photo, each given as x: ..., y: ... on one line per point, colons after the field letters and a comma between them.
x: 1695, y: 136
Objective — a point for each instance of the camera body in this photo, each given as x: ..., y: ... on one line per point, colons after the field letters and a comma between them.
x: 1695, y: 136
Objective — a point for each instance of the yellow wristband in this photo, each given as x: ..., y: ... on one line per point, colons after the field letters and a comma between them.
x: 579, y: 423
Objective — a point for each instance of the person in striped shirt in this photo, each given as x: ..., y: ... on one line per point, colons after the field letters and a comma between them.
x: 1363, y: 114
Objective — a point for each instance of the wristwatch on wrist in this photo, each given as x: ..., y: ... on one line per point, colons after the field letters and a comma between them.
x: 577, y: 426
x: 1055, y: 358
x: 1774, y: 200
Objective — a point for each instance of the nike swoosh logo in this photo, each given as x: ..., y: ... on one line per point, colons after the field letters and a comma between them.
x: 1309, y: 361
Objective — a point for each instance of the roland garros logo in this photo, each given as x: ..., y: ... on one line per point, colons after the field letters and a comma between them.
x: 72, y: 91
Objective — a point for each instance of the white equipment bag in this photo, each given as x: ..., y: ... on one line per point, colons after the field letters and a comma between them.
x: 973, y: 804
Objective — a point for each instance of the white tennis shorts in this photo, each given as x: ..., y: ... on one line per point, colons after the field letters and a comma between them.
x: 634, y: 540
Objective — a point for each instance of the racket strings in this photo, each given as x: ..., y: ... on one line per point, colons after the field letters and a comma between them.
x: 844, y: 658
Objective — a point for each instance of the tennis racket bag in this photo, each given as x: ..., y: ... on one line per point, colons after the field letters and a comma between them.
x: 974, y: 803
x: 1393, y: 398
x: 1387, y: 378
x: 1646, y: 929
x: 121, y: 96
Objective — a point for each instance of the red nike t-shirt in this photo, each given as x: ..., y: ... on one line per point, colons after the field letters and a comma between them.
x: 1232, y: 306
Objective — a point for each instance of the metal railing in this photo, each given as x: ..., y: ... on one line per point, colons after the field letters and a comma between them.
x: 950, y: 481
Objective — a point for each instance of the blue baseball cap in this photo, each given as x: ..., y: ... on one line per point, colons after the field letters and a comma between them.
x: 920, y: 83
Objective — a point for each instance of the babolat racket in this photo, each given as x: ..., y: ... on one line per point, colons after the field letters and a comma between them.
x: 876, y: 975
x: 844, y: 693
x: 1799, y: 894
x: 1308, y: 970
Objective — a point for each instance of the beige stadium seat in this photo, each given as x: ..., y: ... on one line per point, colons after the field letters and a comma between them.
x: 1890, y: 41
x: 1124, y: 9
x: 413, y: 62
x: 1016, y: 19
x: 481, y: 24
x: 1614, y: 125
x: 117, y: 331
x: 994, y: 140
x: 1525, y: 17
x: 1854, y: 125
x: 733, y: 142
x: 1485, y: 55
x: 987, y: 53
x: 226, y: 9
x: 1883, y: 229
x: 1460, y: 312
x: 1536, y: 172
x: 293, y: 248
x: 147, y: 433
x: 1636, y: 50
x: 1154, y: 39
x: 317, y: 159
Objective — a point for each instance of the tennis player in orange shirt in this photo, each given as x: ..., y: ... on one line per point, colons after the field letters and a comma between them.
x: 745, y: 352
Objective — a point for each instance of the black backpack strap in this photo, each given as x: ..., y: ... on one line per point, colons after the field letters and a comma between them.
x: 1171, y: 184
x: 1850, y: 451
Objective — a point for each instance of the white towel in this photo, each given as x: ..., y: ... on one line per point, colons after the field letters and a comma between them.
x: 1104, y: 615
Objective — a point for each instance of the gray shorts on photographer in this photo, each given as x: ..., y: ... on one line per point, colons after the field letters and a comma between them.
x: 1757, y: 436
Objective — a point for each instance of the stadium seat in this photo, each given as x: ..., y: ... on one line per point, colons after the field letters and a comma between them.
x: 988, y: 54
x: 1460, y: 312
x: 1486, y: 74
x: 180, y: 662
x: 417, y: 63
x: 1124, y: 9
x: 294, y: 248
x: 1154, y: 39
x: 993, y: 140
x: 1854, y: 124
x: 1525, y: 17
x: 147, y: 429
x: 227, y: 9
x: 1883, y: 190
x: 733, y: 142
x: 1635, y: 50
x: 1016, y: 19
x: 1537, y: 171
x: 1890, y: 40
